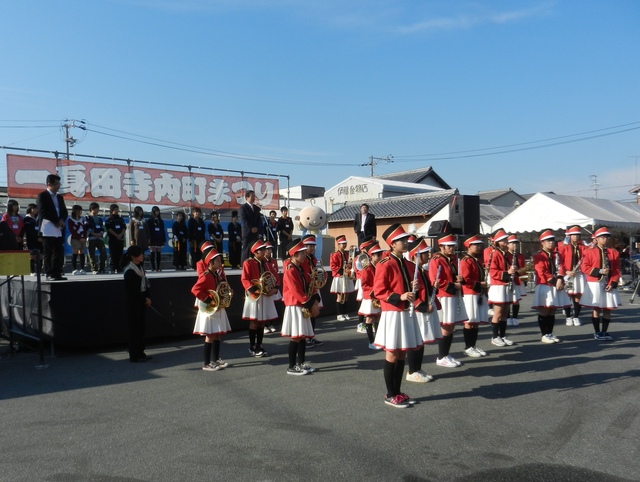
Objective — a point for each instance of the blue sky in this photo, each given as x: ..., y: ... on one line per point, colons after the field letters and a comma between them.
x: 312, y: 89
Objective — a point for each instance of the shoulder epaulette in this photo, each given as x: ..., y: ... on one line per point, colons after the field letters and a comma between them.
x: 384, y: 260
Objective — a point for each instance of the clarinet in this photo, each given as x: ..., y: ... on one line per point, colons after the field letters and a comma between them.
x: 605, y: 263
x: 413, y: 286
x: 514, y: 265
x: 458, y: 292
x: 432, y: 298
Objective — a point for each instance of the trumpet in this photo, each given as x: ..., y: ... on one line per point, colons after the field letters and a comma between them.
x: 265, y: 284
x: 220, y: 298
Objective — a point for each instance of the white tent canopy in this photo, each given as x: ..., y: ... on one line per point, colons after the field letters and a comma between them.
x: 556, y: 212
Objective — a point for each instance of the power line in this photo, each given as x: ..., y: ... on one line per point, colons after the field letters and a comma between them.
x: 549, y: 144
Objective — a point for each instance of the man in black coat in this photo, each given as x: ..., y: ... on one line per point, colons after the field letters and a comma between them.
x: 364, y: 224
x: 252, y: 227
x: 52, y: 216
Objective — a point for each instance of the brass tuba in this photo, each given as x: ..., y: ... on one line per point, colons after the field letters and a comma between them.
x: 265, y: 283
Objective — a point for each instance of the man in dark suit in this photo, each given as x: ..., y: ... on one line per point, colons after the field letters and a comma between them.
x: 52, y: 216
x: 252, y: 227
x: 364, y: 224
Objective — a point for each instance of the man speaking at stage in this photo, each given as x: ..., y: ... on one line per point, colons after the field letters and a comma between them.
x: 52, y: 216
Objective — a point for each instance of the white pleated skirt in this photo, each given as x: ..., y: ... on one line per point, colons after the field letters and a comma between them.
x: 216, y: 324
x: 398, y: 331
x: 477, y: 308
x: 277, y: 296
x: 579, y: 284
x: 452, y: 311
x: 342, y: 284
x: 595, y: 296
x: 429, y: 325
x: 295, y: 325
x: 503, y: 295
x: 367, y: 309
x: 358, y: 287
x: 262, y: 309
x: 546, y: 296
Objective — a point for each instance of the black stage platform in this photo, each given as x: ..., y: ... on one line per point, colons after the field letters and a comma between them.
x: 88, y: 310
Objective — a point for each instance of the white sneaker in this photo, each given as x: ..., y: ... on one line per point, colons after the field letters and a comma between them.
x: 416, y: 377
x: 497, y: 341
x: 576, y: 322
x: 454, y: 360
x: 445, y: 362
x: 425, y: 375
x: 569, y: 321
x: 345, y: 317
x: 480, y: 350
x: 546, y: 339
x: 554, y: 338
x: 507, y: 341
x: 340, y: 317
x: 514, y: 322
x: 75, y: 272
x: 509, y: 321
x: 361, y: 328
x: 471, y: 351
x: 490, y: 311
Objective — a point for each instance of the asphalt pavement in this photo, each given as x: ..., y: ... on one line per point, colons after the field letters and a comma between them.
x: 530, y: 412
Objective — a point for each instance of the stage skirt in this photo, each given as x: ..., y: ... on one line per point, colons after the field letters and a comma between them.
x: 342, y: 284
x: 367, y: 309
x: 595, y: 296
x: 216, y: 324
x: 429, y: 325
x: 262, y: 309
x: 295, y: 325
x: 503, y: 295
x: 452, y: 311
x: 547, y: 296
x: 579, y: 284
x: 358, y: 288
x: 477, y: 308
x: 398, y: 331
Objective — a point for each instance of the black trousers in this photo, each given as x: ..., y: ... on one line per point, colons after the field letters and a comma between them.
x: 53, y: 255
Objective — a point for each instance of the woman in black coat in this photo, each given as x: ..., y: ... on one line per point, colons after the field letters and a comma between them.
x: 137, y: 300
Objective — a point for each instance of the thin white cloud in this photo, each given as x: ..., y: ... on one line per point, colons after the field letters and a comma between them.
x: 466, y: 21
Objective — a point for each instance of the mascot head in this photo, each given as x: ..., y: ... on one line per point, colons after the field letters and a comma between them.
x: 313, y: 218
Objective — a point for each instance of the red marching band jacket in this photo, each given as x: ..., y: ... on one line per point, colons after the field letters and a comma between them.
x: 448, y: 273
x: 337, y: 261
x: 390, y: 282
x: 367, y: 276
x: 548, y: 267
x: 571, y: 254
x: 251, y: 270
x: 593, y: 262
x: 520, y: 263
x: 473, y: 273
x: 498, y: 268
x: 207, y: 281
x: 425, y: 290
x: 295, y: 282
